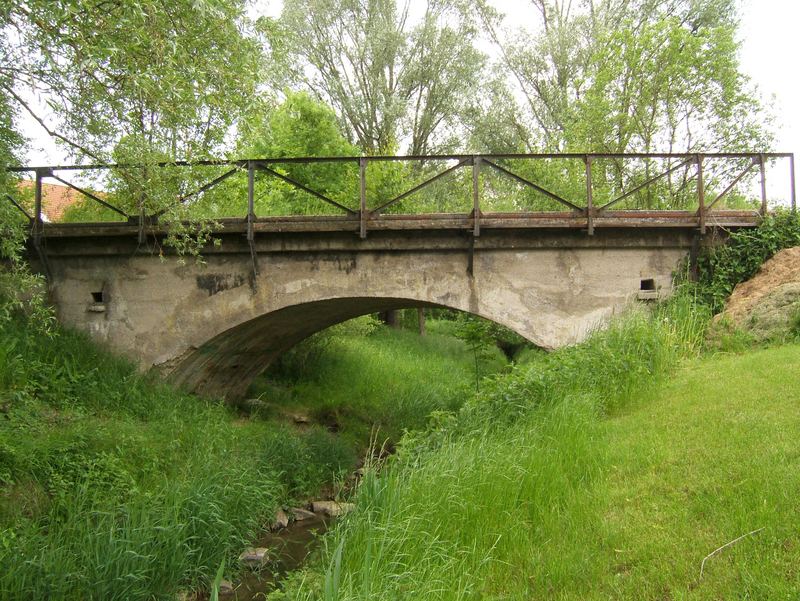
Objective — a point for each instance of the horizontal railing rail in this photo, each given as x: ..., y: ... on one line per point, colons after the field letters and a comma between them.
x: 586, y: 207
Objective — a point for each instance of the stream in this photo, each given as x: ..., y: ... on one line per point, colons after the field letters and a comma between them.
x: 289, y: 549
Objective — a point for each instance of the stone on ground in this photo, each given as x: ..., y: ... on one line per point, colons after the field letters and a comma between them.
x: 254, y: 557
x: 331, y: 508
x: 281, y: 520
x: 302, y: 514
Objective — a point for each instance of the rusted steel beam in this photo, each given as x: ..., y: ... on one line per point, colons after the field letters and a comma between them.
x: 646, y: 183
x: 701, y: 196
x: 93, y: 197
x: 529, y: 183
x: 792, y: 191
x: 302, y: 187
x: 420, y: 186
x: 251, y: 203
x: 362, y: 197
x: 589, y: 199
x: 36, y: 228
x: 19, y: 206
x: 201, y: 189
x: 476, y: 201
x: 436, y: 157
x: 730, y: 186
x: 552, y: 221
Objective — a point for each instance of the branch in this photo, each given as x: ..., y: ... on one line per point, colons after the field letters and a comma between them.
x: 725, y: 546
x: 50, y: 132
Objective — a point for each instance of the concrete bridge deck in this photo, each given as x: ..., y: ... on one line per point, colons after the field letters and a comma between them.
x: 212, y: 328
x: 552, y: 277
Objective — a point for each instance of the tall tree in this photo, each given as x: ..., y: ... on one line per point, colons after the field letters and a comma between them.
x: 174, y: 75
x: 393, y: 79
x: 630, y: 75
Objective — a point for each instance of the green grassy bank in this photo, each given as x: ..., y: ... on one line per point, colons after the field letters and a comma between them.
x: 608, y: 470
x: 114, y: 486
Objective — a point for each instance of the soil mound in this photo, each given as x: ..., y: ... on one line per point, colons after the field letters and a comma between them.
x: 768, y: 304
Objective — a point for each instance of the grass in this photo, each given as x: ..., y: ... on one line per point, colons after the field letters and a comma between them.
x: 735, y: 469
x: 605, y: 470
x: 118, y: 487
x: 372, y: 377
x: 590, y: 474
x: 115, y: 486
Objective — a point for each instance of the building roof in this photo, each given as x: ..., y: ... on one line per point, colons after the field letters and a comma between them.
x: 56, y: 198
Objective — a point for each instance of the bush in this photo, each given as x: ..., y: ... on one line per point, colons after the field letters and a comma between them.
x: 722, y: 267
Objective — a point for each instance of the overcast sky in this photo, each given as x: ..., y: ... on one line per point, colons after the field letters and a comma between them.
x: 769, y: 52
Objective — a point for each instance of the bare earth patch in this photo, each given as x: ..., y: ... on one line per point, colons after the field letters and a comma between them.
x: 767, y: 304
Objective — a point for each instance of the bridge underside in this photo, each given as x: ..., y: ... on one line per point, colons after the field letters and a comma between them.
x: 212, y: 328
x: 226, y: 364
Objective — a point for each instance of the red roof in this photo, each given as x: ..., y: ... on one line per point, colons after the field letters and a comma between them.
x: 55, y: 198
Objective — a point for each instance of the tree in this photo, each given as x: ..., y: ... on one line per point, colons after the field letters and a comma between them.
x: 392, y: 84
x: 134, y: 82
x: 627, y: 76
x: 175, y: 74
x: 630, y: 75
x: 301, y: 126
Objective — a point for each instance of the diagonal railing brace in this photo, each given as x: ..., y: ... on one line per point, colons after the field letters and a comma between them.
x: 419, y: 187
x: 646, y: 183
x: 733, y: 183
x: 536, y: 187
x: 303, y: 187
x: 19, y: 206
x: 94, y: 197
x: 205, y: 187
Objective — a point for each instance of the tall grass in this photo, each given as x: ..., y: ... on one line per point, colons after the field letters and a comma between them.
x: 114, y: 486
x: 384, y: 379
x: 495, y: 500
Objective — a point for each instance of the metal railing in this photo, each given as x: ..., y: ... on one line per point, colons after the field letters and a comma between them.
x: 585, y: 208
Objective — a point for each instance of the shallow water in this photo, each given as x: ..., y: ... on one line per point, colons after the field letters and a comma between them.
x: 289, y: 549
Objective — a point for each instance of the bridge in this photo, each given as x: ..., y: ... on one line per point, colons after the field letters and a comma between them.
x: 549, y: 275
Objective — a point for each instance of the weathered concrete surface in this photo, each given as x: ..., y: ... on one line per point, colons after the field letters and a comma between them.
x: 214, y: 327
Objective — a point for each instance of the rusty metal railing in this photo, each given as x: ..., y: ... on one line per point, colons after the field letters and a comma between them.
x: 586, y: 208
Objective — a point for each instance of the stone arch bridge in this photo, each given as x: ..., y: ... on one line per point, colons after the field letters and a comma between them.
x: 551, y: 276
x: 212, y: 328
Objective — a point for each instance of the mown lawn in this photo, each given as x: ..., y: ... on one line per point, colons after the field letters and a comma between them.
x: 712, y: 455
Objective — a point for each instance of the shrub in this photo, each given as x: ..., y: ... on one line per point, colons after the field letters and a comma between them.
x: 722, y: 267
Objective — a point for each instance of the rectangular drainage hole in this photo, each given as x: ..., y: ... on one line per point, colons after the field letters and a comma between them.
x: 647, y: 285
x: 97, y: 297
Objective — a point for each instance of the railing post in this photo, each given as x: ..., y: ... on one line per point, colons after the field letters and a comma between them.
x: 792, y: 184
x: 476, y: 201
x: 251, y: 185
x: 701, y: 196
x: 763, y: 184
x: 589, y: 200
x: 37, y: 207
x: 362, y: 211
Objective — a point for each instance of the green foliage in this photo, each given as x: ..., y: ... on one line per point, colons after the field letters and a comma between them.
x: 115, y: 486
x: 373, y: 383
x: 387, y: 80
x: 611, y: 366
x: 625, y: 77
x: 475, y: 332
x: 553, y: 482
x: 724, y: 266
x: 177, y: 74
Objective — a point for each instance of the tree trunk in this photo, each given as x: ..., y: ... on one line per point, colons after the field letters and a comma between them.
x: 421, y: 320
x: 391, y: 318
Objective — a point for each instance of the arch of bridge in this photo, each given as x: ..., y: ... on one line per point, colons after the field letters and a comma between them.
x: 212, y: 328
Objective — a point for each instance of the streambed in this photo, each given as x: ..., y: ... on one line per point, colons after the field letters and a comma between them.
x: 289, y: 549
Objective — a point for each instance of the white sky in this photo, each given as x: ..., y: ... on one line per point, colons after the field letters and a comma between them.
x: 770, y: 47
